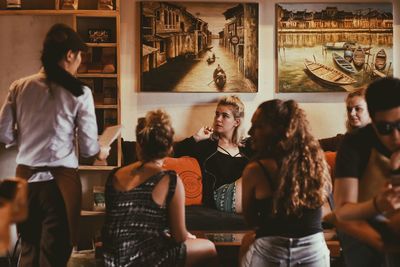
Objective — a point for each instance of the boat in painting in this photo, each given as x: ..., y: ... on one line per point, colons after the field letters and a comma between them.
x: 219, y: 77
x: 380, y: 60
x: 339, y: 45
x: 210, y: 60
x: 359, y: 57
x: 348, y: 55
x: 342, y: 63
x: 328, y: 74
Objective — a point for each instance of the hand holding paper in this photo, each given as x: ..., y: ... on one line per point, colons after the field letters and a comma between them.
x: 105, y: 140
x: 109, y: 135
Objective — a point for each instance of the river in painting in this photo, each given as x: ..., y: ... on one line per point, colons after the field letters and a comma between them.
x: 294, y: 48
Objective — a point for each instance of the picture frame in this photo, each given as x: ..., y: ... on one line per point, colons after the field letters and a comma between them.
x: 199, y: 47
x: 318, y: 48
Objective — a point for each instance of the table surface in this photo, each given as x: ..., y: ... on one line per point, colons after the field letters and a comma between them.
x: 234, y: 238
x: 222, y: 238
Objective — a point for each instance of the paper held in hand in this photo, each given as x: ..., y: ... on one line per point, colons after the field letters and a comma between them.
x: 106, y: 139
x: 109, y: 135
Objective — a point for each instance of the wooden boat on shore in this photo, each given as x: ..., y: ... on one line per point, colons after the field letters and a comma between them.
x: 343, y: 63
x: 328, y: 74
x: 219, y: 77
x: 380, y: 59
x: 359, y: 57
x: 339, y: 45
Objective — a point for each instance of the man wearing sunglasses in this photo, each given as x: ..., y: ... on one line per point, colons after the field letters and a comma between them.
x: 365, y: 189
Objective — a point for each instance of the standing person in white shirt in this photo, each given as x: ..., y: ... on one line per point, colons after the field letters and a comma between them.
x: 42, y: 115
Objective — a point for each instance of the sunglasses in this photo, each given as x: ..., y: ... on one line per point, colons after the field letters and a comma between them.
x: 386, y: 128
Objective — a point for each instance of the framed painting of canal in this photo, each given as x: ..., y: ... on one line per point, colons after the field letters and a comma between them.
x: 334, y: 47
x: 199, y: 47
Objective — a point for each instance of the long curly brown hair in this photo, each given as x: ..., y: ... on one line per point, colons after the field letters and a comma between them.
x: 303, y: 179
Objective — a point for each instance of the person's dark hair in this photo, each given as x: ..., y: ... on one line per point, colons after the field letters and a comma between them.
x: 59, y: 40
x: 154, y: 135
x: 303, y: 180
x: 383, y: 94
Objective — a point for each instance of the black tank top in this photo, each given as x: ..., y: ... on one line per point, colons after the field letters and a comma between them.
x: 286, y: 225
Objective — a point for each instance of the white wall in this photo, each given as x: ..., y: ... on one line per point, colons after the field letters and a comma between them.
x: 21, y: 41
x: 22, y: 37
x: 192, y: 110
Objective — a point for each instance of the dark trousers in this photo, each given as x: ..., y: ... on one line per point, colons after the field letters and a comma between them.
x: 45, y: 235
x: 359, y: 254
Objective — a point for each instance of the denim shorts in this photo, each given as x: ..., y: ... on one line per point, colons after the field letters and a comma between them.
x: 225, y: 198
x: 274, y: 251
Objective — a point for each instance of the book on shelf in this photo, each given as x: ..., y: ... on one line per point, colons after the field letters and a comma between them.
x: 110, y: 91
x: 108, y: 59
x: 110, y: 117
x: 99, y: 202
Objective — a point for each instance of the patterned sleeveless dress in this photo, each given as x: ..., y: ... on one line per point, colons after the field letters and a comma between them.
x: 134, y: 228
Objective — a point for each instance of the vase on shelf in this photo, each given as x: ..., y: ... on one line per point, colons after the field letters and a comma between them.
x: 13, y: 4
x: 105, y: 5
x: 69, y: 4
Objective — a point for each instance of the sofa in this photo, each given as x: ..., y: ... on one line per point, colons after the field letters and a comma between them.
x: 198, y: 216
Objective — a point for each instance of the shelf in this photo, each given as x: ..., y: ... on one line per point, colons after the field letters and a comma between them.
x: 96, y: 168
x: 105, y: 86
x: 83, y: 13
x: 92, y: 213
x: 106, y: 106
x: 97, y: 75
x: 101, y: 44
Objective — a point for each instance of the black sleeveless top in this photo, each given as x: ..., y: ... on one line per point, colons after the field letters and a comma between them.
x: 225, y: 168
x: 134, y: 231
x: 286, y: 225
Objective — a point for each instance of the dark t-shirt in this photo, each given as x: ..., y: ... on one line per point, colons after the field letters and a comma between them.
x: 355, y: 150
x: 225, y: 168
x: 360, y: 154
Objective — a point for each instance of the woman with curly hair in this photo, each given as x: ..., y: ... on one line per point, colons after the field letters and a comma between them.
x: 145, y: 209
x: 284, y: 189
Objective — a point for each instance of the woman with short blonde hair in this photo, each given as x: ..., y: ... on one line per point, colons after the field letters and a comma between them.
x: 222, y: 152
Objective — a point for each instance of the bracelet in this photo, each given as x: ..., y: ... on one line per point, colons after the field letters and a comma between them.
x: 374, y: 202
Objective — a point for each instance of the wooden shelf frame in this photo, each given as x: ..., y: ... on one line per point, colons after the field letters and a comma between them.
x: 49, y: 8
x: 60, y: 12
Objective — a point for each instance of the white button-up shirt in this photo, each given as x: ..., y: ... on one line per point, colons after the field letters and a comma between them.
x: 41, y: 118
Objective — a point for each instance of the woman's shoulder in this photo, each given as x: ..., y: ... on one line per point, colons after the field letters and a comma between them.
x: 259, y: 166
x: 124, y: 172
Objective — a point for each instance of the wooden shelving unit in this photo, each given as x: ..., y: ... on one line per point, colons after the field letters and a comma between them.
x: 104, y: 82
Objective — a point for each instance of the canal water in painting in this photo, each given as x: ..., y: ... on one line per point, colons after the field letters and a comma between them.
x: 314, y: 39
x: 199, y: 47
x: 294, y: 48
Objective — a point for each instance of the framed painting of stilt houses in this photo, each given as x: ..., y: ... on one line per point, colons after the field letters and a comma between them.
x: 199, y: 47
x: 332, y: 47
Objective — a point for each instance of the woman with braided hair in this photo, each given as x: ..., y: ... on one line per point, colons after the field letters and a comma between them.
x: 145, y: 213
x: 284, y: 189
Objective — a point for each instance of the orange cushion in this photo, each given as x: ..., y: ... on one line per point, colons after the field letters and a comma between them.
x: 189, y: 171
x: 331, y: 160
